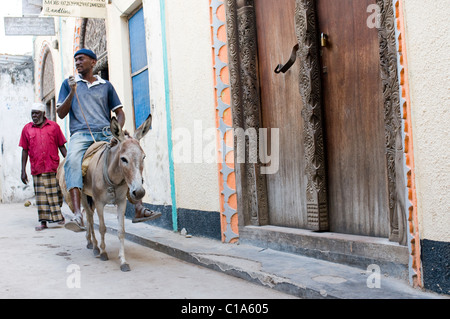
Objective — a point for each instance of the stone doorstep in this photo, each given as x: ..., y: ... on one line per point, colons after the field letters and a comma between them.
x: 298, y: 275
x: 353, y: 250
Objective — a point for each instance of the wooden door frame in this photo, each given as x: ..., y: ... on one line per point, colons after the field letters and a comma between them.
x: 246, y: 110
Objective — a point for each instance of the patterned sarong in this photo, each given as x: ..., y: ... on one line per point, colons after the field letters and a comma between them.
x: 48, y: 197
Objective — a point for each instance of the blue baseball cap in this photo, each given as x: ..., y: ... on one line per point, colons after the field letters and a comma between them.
x: 87, y: 52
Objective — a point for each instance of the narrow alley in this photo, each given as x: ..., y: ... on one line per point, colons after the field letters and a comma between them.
x: 274, y: 149
x: 46, y: 265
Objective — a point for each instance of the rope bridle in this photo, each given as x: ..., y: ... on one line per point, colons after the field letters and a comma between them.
x: 106, y: 153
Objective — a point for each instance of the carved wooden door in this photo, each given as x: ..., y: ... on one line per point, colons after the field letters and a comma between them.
x: 353, y: 118
x: 281, y: 106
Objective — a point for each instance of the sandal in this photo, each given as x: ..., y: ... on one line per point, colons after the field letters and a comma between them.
x: 40, y: 227
x: 147, y: 215
x: 76, y: 225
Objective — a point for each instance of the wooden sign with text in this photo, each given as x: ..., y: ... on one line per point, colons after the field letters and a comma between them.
x: 75, y: 8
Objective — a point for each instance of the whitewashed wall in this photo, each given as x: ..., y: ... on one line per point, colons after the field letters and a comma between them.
x: 193, y: 106
x: 428, y: 47
x: 16, y: 98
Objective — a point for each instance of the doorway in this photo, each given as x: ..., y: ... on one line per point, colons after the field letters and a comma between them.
x: 337, y: 108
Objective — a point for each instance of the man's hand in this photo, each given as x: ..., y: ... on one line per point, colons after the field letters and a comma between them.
x: 72, y: 82
x: 24, y: 177
x: 120, y: 114
x: 64, y: 108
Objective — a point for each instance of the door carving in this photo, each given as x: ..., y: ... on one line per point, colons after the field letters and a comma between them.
x: 310, y: 90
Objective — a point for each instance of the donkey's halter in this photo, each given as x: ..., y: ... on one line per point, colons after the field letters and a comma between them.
x: 112, y: 186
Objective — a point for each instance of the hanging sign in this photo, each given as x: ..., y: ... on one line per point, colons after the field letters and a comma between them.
x: 29, y: 26
x: 75, y: 8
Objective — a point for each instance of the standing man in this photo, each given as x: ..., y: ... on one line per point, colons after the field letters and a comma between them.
x: 40, y: 140
x: 98, y: 99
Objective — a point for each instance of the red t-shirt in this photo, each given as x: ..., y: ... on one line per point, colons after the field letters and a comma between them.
x: 42, y: 144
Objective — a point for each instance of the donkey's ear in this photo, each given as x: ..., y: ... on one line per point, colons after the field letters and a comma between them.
x: 144, y: 128
x: 116, y: 129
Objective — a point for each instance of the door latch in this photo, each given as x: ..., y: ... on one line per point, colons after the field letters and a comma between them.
x: 323, y: 40
x: 283, y: 68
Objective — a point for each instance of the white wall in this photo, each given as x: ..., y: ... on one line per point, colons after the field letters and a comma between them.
x: 192, y: 100
x: 15, y: 110
x: 157, y: 173
x: 428, y: 47
x: 156, y: 169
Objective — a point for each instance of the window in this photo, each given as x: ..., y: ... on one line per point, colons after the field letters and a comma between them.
x: 139, y: 67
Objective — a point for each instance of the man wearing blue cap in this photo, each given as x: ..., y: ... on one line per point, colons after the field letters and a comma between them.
x: 98, y: 99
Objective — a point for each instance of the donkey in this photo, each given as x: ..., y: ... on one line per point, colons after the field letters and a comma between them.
x: 111, y: 174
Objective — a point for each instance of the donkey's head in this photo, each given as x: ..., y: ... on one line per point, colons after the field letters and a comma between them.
x: 131, y: 156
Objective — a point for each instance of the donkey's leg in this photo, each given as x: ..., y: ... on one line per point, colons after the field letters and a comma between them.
x: 124, y: 266
x: 102, y: 229
x: 90, y: 234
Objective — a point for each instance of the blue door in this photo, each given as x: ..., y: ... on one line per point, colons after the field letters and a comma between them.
x: 139, y: 67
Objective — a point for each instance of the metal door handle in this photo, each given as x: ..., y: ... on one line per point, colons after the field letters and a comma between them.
x: 287, y: 66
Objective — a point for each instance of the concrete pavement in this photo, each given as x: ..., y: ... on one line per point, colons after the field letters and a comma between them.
x: 294, y: 274
x: 54, y: 263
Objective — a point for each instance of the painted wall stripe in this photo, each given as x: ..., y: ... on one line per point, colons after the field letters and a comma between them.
x: 168, y: 116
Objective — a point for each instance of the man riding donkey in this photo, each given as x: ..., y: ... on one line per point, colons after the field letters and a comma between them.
x: 88, y: 121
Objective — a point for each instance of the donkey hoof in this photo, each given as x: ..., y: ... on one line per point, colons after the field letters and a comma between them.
x: 96, y: 252
x: 90, y: 246
x: 125, y: 267
x: 104, y: 256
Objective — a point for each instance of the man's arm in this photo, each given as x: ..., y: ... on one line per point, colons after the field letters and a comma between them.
x: 120, y: 114
x: 24, y: 176
x: 64, y: 108
x: 63, y: 151
x: 115, y: 105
